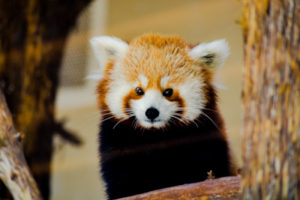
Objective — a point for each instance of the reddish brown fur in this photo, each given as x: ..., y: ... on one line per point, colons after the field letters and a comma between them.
x: 103, y: 87
x: 131, y: 96
x: 180, y: 65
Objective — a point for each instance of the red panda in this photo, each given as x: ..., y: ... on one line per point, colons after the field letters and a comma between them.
x: 161, y: 125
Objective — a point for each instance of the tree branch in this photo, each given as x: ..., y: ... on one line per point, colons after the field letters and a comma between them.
x: 14, y: 171
x: 221, y: 188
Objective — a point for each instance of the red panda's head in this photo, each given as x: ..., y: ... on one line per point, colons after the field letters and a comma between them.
x: 156, y: 79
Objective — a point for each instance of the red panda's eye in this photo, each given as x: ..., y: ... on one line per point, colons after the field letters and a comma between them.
x: 168, y: 92
x: 139, y: 91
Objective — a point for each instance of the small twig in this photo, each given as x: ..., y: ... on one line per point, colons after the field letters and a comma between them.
x: 210, y: 175
x: 67, y: 135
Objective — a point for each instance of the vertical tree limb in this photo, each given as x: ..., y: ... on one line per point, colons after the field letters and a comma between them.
x: 271, y: 99
x: 14, y: 171
x: 32, y: 39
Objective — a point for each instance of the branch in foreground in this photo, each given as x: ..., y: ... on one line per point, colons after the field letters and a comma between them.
x: 14, y: 171
x: 221, y: 188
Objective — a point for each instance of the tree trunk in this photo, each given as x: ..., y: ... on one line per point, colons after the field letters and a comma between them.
x: 14, y: 171
x: 32, y: 38
x: 271, y: 99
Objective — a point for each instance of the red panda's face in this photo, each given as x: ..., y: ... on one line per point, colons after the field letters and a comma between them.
x: 156, y: 82
x: 169, y: 102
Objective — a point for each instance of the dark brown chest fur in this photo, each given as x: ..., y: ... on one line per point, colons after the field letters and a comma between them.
x: 134, y: 161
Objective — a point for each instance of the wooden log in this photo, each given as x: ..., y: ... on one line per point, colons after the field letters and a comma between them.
x: 213, y: 189
x: 14, y: 171
x: 271, y: 99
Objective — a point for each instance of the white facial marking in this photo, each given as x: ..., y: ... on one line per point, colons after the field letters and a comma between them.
x: 164, y: 81
x: 153, y: 98
x: 118, y: 89
x: 144, y: 80
x: 191, y: 91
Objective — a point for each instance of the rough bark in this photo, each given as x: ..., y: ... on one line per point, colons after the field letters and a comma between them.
x: 214, y: 189
x: 271, y: 99
x: 32, y: 38
x: 14, y: 171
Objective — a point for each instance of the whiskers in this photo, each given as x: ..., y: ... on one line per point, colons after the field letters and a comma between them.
x: 210, y: 119
x: 106, y: 115
x: 203, y: 118
x: 129, y: 113
x: 135, y: 123
x: 184, y: 121
x: 178, y: 116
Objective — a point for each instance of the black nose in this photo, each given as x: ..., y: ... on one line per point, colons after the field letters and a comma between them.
x: 152, y: 113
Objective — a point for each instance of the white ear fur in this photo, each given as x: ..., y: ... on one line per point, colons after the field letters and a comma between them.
x: 107, y: 48
x: 212, y: 54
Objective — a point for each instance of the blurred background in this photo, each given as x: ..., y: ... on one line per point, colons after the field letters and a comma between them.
x: 75, y: 169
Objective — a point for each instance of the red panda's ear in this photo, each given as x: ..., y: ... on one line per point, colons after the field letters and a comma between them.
x: 212, y: 54
x: 108, y: 48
